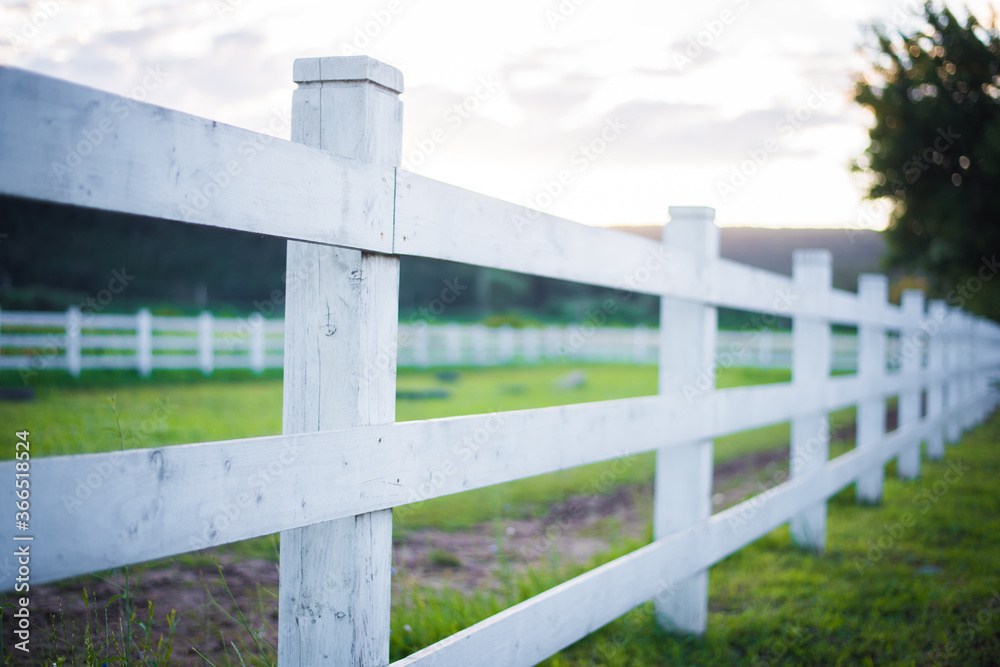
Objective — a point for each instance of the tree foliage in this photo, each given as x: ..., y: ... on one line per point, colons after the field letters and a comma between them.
x: 934, y: 154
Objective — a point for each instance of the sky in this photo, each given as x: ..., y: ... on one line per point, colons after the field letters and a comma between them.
x: 638, y: 105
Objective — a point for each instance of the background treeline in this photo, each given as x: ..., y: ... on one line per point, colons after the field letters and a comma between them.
x: 54, y: 256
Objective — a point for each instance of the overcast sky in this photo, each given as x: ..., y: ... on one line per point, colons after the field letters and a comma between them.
x: 678, y: 100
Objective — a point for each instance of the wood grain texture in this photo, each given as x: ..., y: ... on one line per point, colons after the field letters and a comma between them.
x: 67, y: 143
x: 341, y: 317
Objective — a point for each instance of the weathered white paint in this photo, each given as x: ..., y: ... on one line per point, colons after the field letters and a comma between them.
x: 912, y: 303
x: 341, y: 314
x: 873, y: 293
x: 71, y: 144
x: 937, y: 312
x: 683, y: 486
x: 812, y: 272
x: 954, y: 359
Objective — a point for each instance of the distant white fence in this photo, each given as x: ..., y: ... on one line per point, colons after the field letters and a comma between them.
x: 73, y: 341
x: 329, y: 483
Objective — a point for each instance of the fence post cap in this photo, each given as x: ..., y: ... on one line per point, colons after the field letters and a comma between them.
x: 693, y: 229
x: 347, y: 68
x: 700, y: 213
x: 872, y: 281
x: 812, y: 257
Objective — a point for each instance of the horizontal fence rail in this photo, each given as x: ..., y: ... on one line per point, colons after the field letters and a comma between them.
x: 328, y: 483
x: 34, y: 341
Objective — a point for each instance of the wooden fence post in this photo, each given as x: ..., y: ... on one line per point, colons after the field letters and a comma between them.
x: 421, y: 346
x: 74, y: 352
x: 953, y: 431
x: 505, y: 344
x: 765, y: 348
x: 936, y: 314
x: 810, y: 447
x: 258, y: 341
x: 968, y: 365
x: 683, y: 486
x: 553, y: 343
x: 480, y: 345
x: 206, y: 342
x: 912, y: 304
x: 530, y: 345
x: 341, y: 318
x: 873, y: 293
x: 453, y: 343
x: 640, y: 345
x: 144, y: 342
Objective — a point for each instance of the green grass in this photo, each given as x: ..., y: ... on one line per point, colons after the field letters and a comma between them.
x: 915, y: 580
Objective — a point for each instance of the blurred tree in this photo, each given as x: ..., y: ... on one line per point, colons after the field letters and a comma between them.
x: 934, y: 154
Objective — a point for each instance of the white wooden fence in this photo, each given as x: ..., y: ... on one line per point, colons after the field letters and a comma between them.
x: 73, y: 341
x: 329, y: 483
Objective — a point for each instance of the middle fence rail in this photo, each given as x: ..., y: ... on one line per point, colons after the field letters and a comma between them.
x: 336, y: 192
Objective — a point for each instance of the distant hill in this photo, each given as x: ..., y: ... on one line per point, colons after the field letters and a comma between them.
x: 860, y: 251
